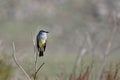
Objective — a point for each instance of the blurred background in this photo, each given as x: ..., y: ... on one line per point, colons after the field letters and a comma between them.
x: 91, y: 26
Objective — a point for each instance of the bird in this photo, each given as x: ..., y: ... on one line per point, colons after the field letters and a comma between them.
x: 41, y: 41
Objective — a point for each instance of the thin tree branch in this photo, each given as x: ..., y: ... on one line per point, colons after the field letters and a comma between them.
x: 15, y: 59
x: 39, y: 68
x: 36, y: 59
x: 35, y: 65
x: 35, y: 53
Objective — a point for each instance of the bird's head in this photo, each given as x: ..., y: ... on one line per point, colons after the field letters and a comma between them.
x: 43, y: 31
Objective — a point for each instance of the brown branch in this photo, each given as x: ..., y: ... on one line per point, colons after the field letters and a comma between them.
x: 37, y: 69
x: 17, y: 63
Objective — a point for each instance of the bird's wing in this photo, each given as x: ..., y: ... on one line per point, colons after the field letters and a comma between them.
x: 45, y: 45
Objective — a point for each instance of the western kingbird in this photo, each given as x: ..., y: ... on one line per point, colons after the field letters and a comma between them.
x: 41, y: 40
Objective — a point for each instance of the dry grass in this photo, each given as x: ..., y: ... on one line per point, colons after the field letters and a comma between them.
x: 5, y: 70
x: 109, y: 73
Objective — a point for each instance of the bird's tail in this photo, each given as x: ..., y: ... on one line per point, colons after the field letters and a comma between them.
x: 40, y: 53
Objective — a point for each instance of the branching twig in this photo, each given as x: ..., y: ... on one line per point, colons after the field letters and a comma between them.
x: 37, y: 69
x: 15, y: 59
x: 40, y: 67
x: 35, y: 65
x: 35, y: 58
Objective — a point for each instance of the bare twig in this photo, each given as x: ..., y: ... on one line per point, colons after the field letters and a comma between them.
x: 37, y: 69
x: 35, y: 53
x: 35, y: 60
x: 35, y: 65
x: 15, y: 59
x: 40, y: 67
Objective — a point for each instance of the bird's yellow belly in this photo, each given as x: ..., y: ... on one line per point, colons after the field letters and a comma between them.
x: 41, y: 43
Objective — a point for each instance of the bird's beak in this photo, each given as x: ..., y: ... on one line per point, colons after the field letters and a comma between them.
x: 47, y: 32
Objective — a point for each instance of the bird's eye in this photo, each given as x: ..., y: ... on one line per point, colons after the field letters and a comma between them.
x: 47, y: 32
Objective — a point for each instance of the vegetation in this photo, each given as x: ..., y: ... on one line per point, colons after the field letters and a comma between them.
x: 5, y: 69
x: 83, y: 44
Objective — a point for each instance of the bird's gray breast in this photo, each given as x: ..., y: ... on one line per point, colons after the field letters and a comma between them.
x: 43, y: 36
